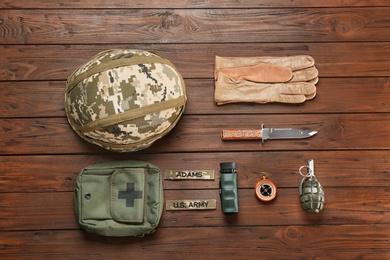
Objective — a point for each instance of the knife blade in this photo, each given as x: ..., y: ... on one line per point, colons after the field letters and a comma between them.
x: 265, y: 134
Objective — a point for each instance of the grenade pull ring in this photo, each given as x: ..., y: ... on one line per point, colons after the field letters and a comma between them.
x: 309, y: 167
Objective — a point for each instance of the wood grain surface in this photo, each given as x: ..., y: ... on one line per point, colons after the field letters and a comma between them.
x: 43, y: 42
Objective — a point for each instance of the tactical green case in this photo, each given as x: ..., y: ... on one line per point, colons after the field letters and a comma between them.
x: 123, y: 198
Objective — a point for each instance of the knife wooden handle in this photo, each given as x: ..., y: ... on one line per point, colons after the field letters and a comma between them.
x: 241, y: 134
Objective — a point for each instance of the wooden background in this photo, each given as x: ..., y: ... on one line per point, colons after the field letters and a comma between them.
x: 42, y: 42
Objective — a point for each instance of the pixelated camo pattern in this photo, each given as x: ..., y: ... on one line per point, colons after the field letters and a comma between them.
x: 110, y: 55
x: 136, y: 130
x: 121, y: 89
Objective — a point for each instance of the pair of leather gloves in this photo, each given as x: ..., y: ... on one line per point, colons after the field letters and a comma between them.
x: 289, y: 79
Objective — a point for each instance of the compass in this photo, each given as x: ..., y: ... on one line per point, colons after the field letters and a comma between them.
x: 265, y: 189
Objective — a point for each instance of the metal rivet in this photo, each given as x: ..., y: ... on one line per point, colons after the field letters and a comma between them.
x: 88, y: 195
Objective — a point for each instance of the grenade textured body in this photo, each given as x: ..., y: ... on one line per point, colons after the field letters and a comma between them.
x: 124, y: 100
x: 312, y: 196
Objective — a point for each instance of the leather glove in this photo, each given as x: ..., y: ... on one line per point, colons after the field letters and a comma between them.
x: 297, y: 71
x: 229, y: 90
x: 294, y: 64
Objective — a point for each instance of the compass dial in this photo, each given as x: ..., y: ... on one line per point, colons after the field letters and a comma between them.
x: 265, y: 190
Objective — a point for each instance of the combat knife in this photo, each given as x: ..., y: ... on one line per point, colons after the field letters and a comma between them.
x: 265, y: 134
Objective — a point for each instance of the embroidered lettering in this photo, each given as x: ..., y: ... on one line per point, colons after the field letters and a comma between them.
x: 198, y: 204
x: 190, y: 175
x: 179, y: 205
x: 191, y: 204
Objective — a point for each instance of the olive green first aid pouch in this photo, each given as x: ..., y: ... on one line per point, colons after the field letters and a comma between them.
x: 123, y: 198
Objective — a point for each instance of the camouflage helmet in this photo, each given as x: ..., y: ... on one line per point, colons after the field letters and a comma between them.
x: 124, y: 100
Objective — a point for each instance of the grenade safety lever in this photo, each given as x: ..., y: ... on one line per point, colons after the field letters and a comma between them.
x: 310, y: 169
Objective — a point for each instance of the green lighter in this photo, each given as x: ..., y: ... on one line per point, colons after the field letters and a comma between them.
x: 228, y: 187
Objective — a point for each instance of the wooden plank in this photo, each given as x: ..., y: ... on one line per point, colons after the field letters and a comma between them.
x: 57, y: 62
x: 32, y: 99
x: 118, y: 4
x: 133, y: 26
x: 32, y: 174
x: 343, y: 206
x: 335, y: 132
x: 323, y: 242
x: 202, y: 134
x: 46, y: 98
x: 349, y: 95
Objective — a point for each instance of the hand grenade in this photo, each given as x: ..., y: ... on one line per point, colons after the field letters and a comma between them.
x: 311, y: 193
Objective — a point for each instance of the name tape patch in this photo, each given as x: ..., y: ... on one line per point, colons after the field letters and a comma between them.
x: 191, y: 204
x: 189, y: 175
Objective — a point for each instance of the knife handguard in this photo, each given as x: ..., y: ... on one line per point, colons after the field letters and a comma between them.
x: 241, y: 134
